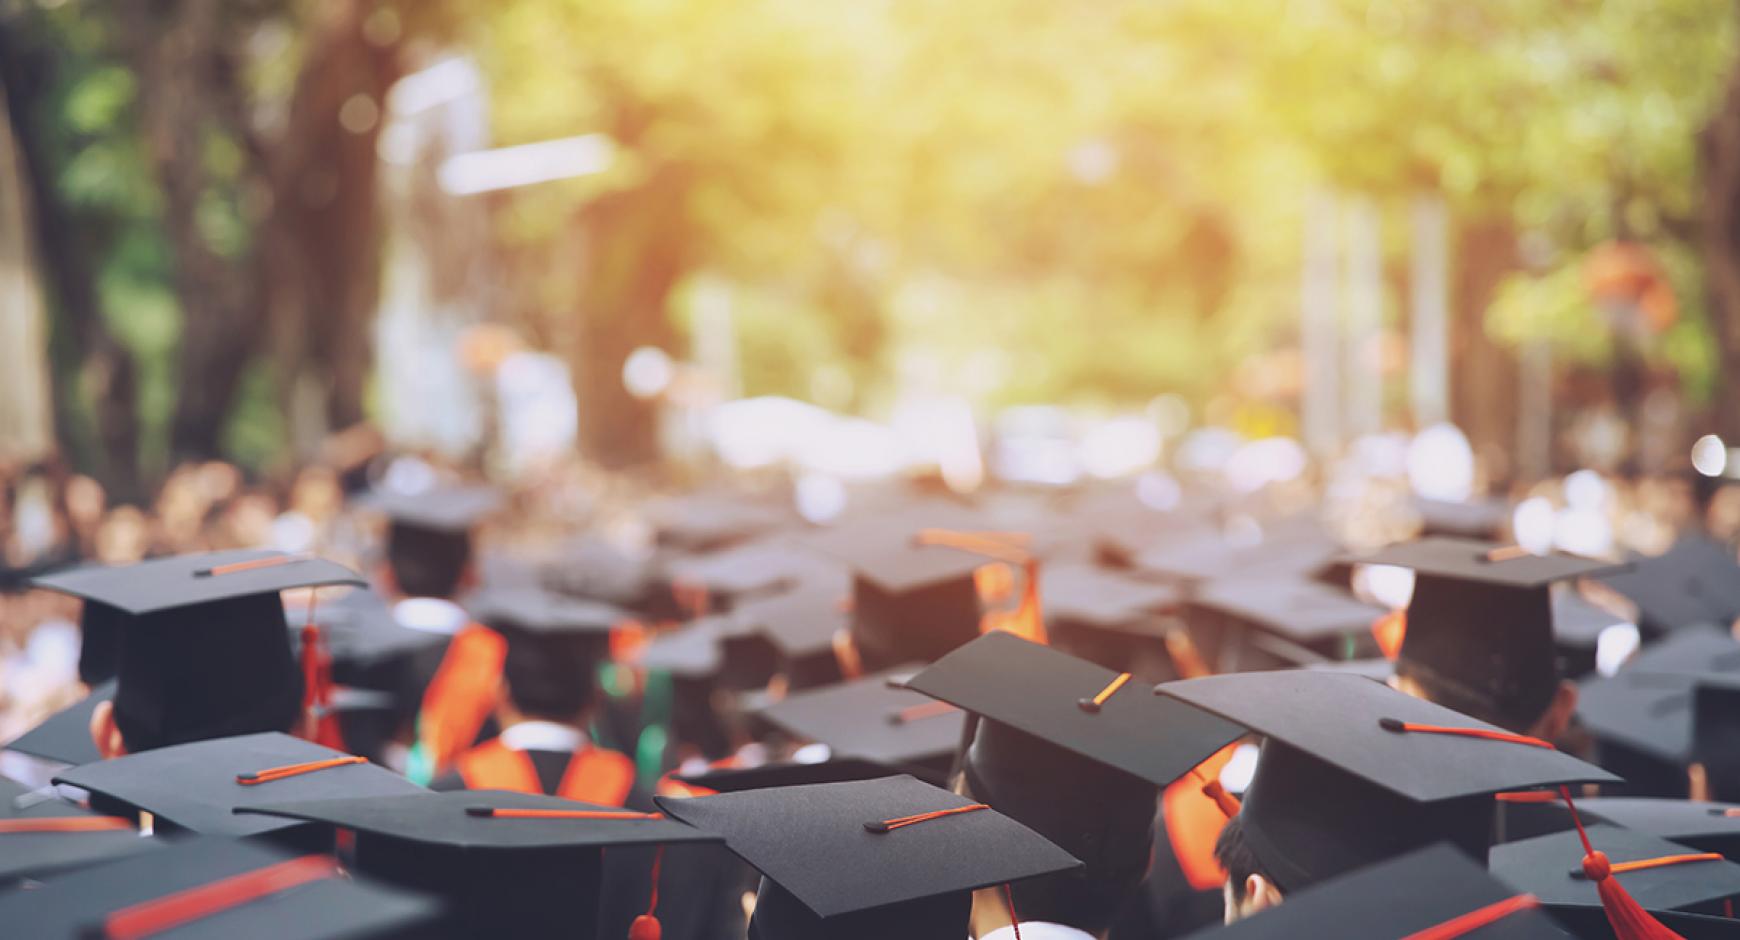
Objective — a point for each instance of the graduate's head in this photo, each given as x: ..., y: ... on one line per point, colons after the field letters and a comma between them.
x: 555, y: 645
x: 429, y: 537
x: 201, y: 646
x: 1249, y: 889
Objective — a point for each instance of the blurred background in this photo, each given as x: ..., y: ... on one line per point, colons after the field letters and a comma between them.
x: 247, y: 245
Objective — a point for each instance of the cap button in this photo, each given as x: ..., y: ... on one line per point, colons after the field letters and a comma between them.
x: 1596, y: 866
x: 1088, y: 705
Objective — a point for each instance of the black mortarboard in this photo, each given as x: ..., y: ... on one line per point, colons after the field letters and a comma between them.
x: 41, y: 837
x: 1707, y: 827
x: 1550, y: 867
x: 504, y: 873
x: 367, y: 643
x: 1049, y: 695
x: 1074, y: 750
x: 865, y: 718
x: 195, y: 786
x: 1401, y: 897
x: 1310, y: 613
x: 1716, y: 732
x: 100, y: 631
x: 786, y: 774
x: 296, y: 898
x: 1480, y: 624
x: 802, y: 625
x: 205, y: 652
x: 691, y: 651
x: 65, y: 736
x: 911, y: 602
x: 702, y: 522
x: 1109, y: 617
x: 761, y: 567
x: 867, y: 859
x: 1642, y: 718
x: 1696, y: 581
x: 554, y: 646
x: 1336, y: 788
x: 1578, y: 629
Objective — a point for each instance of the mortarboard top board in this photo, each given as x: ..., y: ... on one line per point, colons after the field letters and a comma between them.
x: 26, y: 852
x: 1699, y: 650
x: 798, y: 623
x: 1041, y: 692
x: 1646, y: 709
x: 1392, y: 899
x: 1471, y: 561
x: 866, y: 718
x: 1696, y: 581
x: 591, y: 567
x: 1300, y: 610
x: 1707, y: 827
x: 1579, y: 623
x: 835, y: 863
x: 1336, y: 788
x: 506, y: 873
x: 1377, y: 670
x: 538, y: 612
x: 442, y: 508
x: 1336, y: 718
x: 312, y: 900
x: 65, y: 736
x: 786, y: 774
x: 1103, y: 598
x: 182, y: 581
x: 755, y: 567
x: 1550, y: 867
x: 690, y: 651
x: 891, y: 557
x: 361, y: 633
x: 1479, y: 519
x: 911, y: 602
x: 703, y: 521
x: 196, y: 786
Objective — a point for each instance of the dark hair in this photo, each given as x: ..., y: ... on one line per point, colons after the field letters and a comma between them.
x: 427, y: 562
x: 553, y: 679
x: 1234, y: 854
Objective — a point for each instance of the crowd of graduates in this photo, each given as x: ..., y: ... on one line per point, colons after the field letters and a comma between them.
x: 387, y: 699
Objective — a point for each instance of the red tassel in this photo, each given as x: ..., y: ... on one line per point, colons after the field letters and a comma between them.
x: 1629, y: 920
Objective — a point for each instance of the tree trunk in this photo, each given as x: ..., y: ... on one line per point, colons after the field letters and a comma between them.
x: 1484, y: 373
x: 323, y: 257
x: 26, y: 412
x: 101, y: 370
x: 634, y: 258
x: 175, y: 49
x: 1721, y: 219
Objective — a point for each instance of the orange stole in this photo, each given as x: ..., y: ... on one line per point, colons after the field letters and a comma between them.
x: 1193, y: 822
x: 462, y: 695
x: 594, y: 775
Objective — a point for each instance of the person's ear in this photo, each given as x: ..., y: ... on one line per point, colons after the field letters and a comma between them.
x: 105, y: 734
x: 1557, y: 718
x: 1260, y: 895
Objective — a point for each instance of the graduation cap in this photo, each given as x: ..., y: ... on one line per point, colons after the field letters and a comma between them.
x: 217, y: 888
x: 1643, y: 717
x: 1581, y: 628
x: 892, y: 857
x: 1296, y: 546
x: 868, y: 719
x: 1707, y: 827
x: 509, y: 864
x: 554, y: 646
x: 785, y: 774
x: 1658, y: 874
x: 39, y: 838
x: 802, y: 626
x: 205, y: 651
x: 700, y: 522
x: 196, y: 786
x: 1352, y: 771
x: 1480, y: 624
x: 1111, y: 618
x: 760, y: 567
x: 429, y: 533
x: 100, y: 631
x: 1696, y: 581
x: 65, y: 736
x: 911, y: 602
x: 1312, y: 614
x: 1075, y: 751
x: 1406, y: 896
